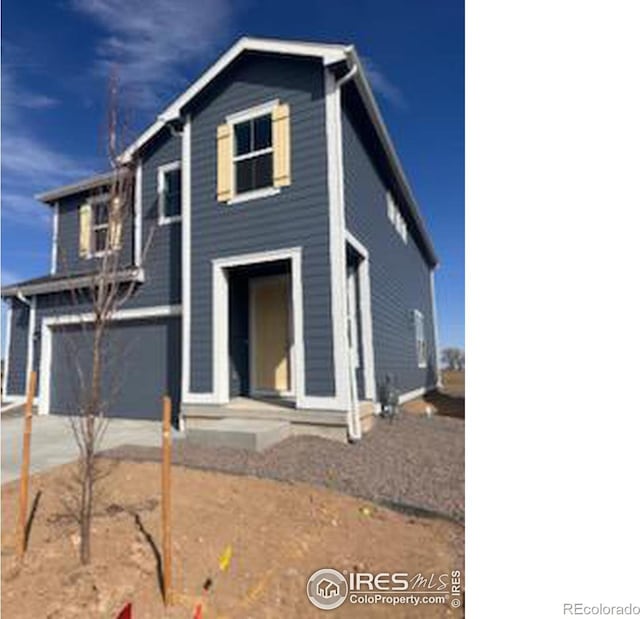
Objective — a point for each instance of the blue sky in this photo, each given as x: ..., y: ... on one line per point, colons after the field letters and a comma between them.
x: 54, y: 76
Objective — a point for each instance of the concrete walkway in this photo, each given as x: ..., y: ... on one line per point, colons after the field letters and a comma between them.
x: 52, y: 441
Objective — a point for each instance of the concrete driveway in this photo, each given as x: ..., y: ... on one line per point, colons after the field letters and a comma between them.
x: 52, y: 441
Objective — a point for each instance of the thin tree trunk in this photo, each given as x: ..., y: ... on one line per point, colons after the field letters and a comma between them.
x: 88, y: 472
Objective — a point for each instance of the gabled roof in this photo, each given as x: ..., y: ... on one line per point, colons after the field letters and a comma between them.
x: 329, y: 54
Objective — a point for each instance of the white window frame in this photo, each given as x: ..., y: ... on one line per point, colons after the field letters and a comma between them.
x: 163, y: 220
x: 420, y: 338
x: 237, y: 118
x: 396, y: 218
x: 104, y: 198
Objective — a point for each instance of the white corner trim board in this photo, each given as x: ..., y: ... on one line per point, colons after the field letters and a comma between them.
x: 50, y: 322
x: 186, y: 258
x: 7, y: 350
x: 137, y: 216
x: 337, y: 252
x: 54, y: 238
x: 31, y: 333
x: 434, y: 322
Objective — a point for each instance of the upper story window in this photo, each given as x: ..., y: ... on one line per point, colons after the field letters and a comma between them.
x: 100, y: 226
x: 169, y: 193
x: 254, y: 153
x: 393, y: 213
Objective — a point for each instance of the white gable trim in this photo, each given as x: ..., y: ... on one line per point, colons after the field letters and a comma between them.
x: 328, y: 53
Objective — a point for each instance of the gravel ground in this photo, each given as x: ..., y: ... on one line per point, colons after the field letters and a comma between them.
x: 415, y: 463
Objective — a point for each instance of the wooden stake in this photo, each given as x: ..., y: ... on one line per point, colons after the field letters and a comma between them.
x: 21, y: 529
x: 166, y: 500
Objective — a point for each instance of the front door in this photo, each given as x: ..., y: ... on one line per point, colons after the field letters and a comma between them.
x: 270, y: 340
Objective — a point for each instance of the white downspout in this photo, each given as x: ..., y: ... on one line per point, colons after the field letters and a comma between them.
x: 31, y: 304
x: 354, y: 427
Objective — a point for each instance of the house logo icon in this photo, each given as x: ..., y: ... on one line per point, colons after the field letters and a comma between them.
x: 327, y: 589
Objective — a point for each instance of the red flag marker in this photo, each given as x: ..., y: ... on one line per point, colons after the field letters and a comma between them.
x: 198, y: 614
x: 126, y: 612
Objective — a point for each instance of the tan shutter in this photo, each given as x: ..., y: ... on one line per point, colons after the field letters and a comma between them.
x: 85, y: 230
x: 115, y: 225
x: 281, y: 146
x: 224, y: 163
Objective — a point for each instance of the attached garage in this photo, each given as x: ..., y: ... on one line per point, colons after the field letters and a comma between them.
x: 142, y: 363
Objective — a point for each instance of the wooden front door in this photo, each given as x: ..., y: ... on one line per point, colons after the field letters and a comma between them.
x: 270, y: 340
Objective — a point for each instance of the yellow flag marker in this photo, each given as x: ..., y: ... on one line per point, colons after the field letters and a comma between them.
x: 225, y: 559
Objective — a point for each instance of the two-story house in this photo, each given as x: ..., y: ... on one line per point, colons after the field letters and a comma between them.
x: 289, y: 271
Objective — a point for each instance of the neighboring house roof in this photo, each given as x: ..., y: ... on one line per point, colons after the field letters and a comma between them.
x: 329, y: 54
x: 61, y: 282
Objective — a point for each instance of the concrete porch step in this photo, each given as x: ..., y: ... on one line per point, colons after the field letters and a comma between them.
x: 249, y: 434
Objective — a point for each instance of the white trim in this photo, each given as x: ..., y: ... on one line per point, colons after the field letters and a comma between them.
x: 137, y: 216
x: 163, y: 220
x: 7, y: 349
x: 186, y: 259
x: 261, y: 109
x: 54, y: 238
x: 412, y: 395
x: 31, y: 332
x: 75, y: 282
x: 337, y: 247
x: 366, y: 321
x: 329, y: 54
x: 49, y: 323
x: 254, y: 283
x: 136, y: 313
x: 220, y: 307
x: 354, y: 327
x: 92, y: 201
x: 256, y: 194
x: 434, y: 321
x: 418, y: 319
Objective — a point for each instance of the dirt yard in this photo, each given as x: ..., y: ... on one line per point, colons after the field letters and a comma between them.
x: 453, y: 383
x: 279, y: 533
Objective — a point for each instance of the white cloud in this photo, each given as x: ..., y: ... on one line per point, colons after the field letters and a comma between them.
x: 382, y: 85
x: 147, y: 44
x: 29, y: 164
x: 24, y: 209
x: 29, y: 159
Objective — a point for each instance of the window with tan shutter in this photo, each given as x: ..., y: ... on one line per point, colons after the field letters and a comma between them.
x: 254, y: 153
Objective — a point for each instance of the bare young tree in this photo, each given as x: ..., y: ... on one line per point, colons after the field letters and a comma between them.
x: 453, y: 358
x: 112, y: 284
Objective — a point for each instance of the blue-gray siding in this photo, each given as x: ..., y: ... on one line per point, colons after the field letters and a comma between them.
x: 400, y: 281
x: 68, y: 259
x: 141, y: 364
x: 160, y: 245
x: 16, y: 378
x: 296, y: 217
